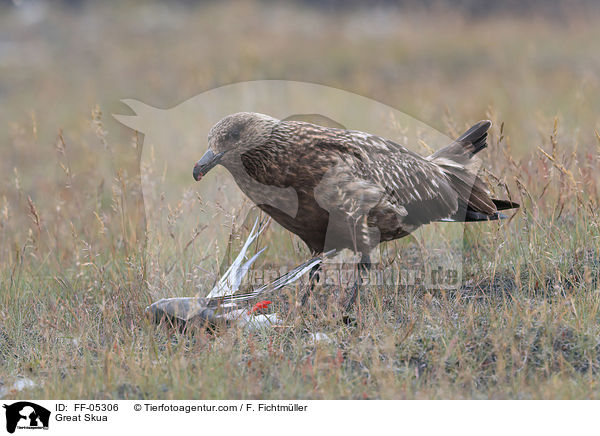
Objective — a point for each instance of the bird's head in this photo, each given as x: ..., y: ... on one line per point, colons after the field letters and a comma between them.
x: 232, y: 136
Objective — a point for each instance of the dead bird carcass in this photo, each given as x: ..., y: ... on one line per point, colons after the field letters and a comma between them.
x: 222, y: 307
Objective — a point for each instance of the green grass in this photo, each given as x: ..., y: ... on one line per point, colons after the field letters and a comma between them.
x: 75, y: 279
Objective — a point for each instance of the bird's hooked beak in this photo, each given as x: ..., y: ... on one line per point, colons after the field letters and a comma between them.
x: 206, y: 162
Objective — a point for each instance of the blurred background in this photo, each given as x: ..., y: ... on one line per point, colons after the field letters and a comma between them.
x: 65, y: 66
x: 528, y: 60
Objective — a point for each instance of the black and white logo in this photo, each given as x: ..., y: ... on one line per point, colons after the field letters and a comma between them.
x: 26, y: 415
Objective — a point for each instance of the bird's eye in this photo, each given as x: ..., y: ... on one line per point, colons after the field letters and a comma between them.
x: 233, y: 134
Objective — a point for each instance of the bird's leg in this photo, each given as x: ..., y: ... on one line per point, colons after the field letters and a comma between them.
x: 313, y: 279
x: 363, y: 267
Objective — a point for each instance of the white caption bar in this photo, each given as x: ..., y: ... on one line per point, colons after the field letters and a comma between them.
x: 296, y: 417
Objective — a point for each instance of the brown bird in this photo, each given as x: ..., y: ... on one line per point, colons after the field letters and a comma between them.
x: 337, y: 188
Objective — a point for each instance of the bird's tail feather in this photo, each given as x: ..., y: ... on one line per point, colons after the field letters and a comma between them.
x: 468, y: 215
x: 466, y: 145
x: 505, y: 204
x: 457, y: 162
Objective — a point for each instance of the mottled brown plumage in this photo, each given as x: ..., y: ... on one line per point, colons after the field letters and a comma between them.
x: 353, y: 189
x: 337, y: 188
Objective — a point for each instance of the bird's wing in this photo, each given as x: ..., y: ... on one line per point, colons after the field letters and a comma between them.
x: 355, y: 176
x: 420, y: 187
x: 348, y: 198
x: 411, y: 184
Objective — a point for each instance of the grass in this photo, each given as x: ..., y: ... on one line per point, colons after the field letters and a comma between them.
x: 75, y: 277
